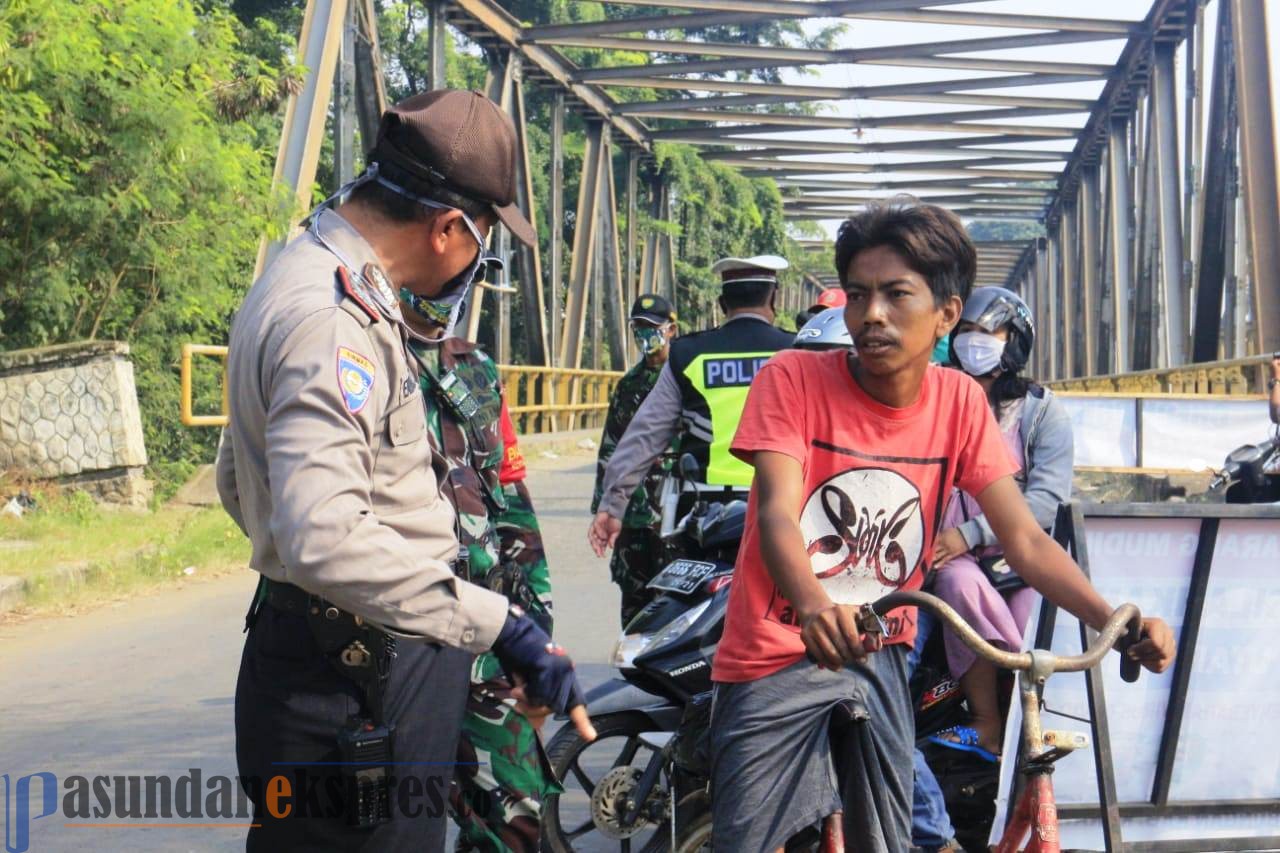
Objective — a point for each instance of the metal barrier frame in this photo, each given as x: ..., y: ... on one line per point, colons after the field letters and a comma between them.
x: 552, y: 399
x: 193, y: 420
x: 540, y: 399
x: 1069, y: 531
x: 1237, y: 377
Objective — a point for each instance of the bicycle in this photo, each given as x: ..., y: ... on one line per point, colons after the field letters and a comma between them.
x: 1035, y: 812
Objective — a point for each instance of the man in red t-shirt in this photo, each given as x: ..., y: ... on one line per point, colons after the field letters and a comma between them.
x: 854, y: 456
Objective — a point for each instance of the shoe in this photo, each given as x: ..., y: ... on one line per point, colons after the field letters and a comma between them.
x: 965, y: 739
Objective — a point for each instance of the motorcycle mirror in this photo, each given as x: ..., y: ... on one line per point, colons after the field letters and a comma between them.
x: 689, y: 469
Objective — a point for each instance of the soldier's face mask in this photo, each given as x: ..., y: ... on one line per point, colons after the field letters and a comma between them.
x: 649, y: 338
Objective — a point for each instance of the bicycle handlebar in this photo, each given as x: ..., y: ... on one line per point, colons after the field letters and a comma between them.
x: 1125, y: 618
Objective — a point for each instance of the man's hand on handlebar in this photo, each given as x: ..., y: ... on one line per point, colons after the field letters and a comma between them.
x: 831, y: 637
x: 603, y: 532
x: 1156, y: 650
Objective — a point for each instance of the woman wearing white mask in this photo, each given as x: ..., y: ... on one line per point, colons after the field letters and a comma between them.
x: 992, y: 343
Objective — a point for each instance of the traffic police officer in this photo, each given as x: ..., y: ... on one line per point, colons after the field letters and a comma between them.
x: 637, y: 555
x: 354, y: 676
x: 700, y: 393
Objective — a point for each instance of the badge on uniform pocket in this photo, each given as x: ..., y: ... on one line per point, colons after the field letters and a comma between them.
x: 355, y: 378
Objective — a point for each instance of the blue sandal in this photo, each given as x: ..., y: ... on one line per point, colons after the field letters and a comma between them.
x: 965, y: 739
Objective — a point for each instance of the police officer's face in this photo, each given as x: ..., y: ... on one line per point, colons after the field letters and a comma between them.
x: 449, y: 249
x: 891, y: 312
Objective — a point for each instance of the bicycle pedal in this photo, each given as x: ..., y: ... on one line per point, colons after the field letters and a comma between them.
x: 1065, y: 741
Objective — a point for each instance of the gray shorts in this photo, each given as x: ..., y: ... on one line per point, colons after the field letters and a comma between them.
x: 771, y: 767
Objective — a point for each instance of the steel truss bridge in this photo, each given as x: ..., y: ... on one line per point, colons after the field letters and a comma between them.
x: 1152, y: 179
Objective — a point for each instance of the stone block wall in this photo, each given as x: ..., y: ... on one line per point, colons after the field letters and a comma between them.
x: 70, y: 412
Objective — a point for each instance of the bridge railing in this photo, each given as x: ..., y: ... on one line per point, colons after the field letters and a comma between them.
x: 1235, y: 377
x: 554, y: 399
x: 541, y: 399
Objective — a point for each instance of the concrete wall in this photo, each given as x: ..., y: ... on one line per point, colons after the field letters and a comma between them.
x: 71, y: 412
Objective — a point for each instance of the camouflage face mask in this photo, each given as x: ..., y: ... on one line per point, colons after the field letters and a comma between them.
x: 650, y: 339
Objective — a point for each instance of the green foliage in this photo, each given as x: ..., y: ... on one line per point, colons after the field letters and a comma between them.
x: 1004, y: 229
x: 137, y: 141
x: 133, y: 189
x: 718, y: 213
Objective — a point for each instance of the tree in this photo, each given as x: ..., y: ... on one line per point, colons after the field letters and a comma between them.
x: 133, y: 186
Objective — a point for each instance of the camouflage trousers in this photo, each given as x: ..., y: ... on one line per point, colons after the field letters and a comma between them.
x: 502, y: 775
x: 637, y: 558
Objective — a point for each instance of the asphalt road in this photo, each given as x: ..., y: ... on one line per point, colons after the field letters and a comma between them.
x: 146, y: 687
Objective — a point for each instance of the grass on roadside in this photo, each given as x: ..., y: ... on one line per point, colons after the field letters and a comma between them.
x: 114, y: 552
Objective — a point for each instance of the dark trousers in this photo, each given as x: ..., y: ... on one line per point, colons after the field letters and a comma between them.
x: 637, y: 559
x: 290, y: 705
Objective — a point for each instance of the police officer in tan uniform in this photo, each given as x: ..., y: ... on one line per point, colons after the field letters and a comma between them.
x: 355, y: 671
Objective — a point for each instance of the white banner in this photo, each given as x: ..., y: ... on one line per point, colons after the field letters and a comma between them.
x: 1179, y: 433
x: 1227, y: 749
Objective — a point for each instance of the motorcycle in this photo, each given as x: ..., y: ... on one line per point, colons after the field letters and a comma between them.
x: 1244, y: 474
x: 622, y: 787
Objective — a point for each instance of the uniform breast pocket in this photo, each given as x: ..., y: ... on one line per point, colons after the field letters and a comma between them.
x: 407, y: 422
x: 402, y: 475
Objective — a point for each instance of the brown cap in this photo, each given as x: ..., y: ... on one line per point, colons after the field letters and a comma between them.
x: 457, y: 148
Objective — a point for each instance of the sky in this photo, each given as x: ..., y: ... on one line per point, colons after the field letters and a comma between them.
x: 867, y: 33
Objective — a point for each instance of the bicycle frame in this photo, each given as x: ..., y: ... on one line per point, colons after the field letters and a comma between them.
x: 1036, y: 811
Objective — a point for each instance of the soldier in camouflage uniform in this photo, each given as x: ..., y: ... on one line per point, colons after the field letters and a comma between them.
x: 637, y: 555
x: 502, y: 775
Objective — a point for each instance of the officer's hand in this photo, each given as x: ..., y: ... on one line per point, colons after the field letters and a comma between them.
x: 528, y: 654
x: 535, y: 714
x: 603, y: 533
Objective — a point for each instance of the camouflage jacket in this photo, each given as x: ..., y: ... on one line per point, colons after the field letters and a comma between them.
x: 496, y: 524
x: 632, y: 388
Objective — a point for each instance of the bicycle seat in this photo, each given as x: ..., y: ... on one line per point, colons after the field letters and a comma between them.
x: 844, y: 716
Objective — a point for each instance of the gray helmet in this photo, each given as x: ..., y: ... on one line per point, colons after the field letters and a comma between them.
x: 990, y: 308
x: 825, y: 330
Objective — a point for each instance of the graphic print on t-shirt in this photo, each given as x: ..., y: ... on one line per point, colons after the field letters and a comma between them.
x: 865, y: 532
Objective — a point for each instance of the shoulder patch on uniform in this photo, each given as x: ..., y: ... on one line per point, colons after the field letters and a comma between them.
x: 349, y: 288
x: 355, y: 378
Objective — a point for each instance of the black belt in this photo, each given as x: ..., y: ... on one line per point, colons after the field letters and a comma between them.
x: 357, y: 649
x: 295, y: 599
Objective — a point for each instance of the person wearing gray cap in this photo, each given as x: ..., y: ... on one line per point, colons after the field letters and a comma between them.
x: 356, y: 667
x: 700, y: 393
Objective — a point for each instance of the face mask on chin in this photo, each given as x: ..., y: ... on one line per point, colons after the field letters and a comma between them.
x: 444, y: 309
x: 978, y: 352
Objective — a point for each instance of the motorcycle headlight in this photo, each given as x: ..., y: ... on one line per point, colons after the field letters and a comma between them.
x: 628, y: 647
x: 631, y: 646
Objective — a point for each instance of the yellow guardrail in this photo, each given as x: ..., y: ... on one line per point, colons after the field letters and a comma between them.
x: 1240, y: 377
x: 541, y: 399
x: 551, y: 399
x: 192, y: 420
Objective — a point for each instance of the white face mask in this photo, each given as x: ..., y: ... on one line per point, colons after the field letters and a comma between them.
x: 978, y: 352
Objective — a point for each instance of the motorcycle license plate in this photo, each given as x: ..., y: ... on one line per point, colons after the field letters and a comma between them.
x: 684, y: 576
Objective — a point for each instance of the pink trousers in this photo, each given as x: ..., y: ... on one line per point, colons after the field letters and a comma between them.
x: 998, y: 619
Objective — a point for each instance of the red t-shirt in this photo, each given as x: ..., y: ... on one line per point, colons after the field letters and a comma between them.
x: 876, y: 481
